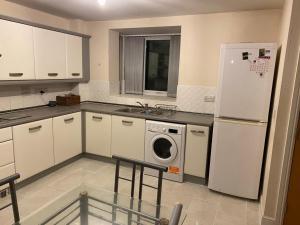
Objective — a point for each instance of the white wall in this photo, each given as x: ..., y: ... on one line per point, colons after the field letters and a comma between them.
x: 16, y: 97
x: 32, y: 15
x: 281, y: 133
x: 201, y: 36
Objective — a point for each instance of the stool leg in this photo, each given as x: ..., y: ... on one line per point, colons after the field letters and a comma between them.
x: 117, y: 176
x: 84, y: 213
x: 133, y: 180
x: 14, y: 201
x: 159, y: 188
x: 141, y: 183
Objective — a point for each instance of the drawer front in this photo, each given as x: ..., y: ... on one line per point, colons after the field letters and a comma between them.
x: 6, y: 153
x: 5, y: 134
x: 128, y: 137
x: 98, y: 134
x: 196, y: 150
x: 6, y: 171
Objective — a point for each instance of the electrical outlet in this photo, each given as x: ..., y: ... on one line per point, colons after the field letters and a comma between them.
x: 209, y: 98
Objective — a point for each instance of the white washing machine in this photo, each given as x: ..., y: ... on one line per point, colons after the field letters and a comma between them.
x: 165, y: 145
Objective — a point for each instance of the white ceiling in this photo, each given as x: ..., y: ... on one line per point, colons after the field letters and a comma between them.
x: 123, y: 9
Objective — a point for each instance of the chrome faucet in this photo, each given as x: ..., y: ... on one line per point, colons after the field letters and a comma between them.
x: 146, y: 106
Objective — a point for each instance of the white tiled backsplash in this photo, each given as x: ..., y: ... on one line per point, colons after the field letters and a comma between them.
x: 16, y: 97
x: 189, y: 98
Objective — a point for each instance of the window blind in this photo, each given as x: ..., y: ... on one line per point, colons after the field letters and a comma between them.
x: 173, y: 65
x: 134, y: 64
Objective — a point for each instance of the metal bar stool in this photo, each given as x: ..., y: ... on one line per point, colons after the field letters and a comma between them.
x: 142, y: 166
x: 12, y: 188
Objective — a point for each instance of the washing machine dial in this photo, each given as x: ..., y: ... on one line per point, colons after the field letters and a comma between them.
x: 164, y: 129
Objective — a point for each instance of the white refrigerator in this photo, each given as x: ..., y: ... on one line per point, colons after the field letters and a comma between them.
x: 246, y: 73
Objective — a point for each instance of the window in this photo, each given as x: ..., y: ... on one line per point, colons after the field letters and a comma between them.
x: 150, y: 64
x: 156, y: 63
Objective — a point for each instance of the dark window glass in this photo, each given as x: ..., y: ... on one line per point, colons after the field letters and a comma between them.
x: 157, y: 65
x: 162, y: 147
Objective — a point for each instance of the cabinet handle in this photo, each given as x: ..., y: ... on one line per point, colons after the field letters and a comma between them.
x: 97, y: 117
x: 197, y: 131
x: 52, y: 74
x: 69, y: 119
x: 15, y: 74
x: 37, y: 128
x: 75, y: 74
x: 127, y: 122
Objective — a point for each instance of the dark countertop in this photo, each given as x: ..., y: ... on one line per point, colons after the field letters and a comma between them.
x: 45, y: 112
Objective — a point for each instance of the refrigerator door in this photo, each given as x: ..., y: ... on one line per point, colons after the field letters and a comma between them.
x: 236, y: 158
x: 245, y: 82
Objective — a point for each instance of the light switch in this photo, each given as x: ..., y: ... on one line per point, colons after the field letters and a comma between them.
x: 209, y: 98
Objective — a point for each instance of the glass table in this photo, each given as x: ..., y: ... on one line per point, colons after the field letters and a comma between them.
x: 89, y: 205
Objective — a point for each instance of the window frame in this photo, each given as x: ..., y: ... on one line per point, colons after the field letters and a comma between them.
x: 152, y: 92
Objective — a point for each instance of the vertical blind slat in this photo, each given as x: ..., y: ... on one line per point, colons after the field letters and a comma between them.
x: 173, y: 66
x: 134, y: 64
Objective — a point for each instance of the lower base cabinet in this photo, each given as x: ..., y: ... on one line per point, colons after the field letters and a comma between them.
x: 128, y: 137
x: 98, y: 133
x: 67, y: 136
x: 33, y: 147
x: 196, y: 150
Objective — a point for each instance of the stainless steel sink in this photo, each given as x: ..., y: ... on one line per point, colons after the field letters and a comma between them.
x: 131, y: 110
x: 154, y: 112
x: 149, y: 111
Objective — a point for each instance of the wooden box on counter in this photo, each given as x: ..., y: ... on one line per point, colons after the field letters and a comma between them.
x: 68, y: 100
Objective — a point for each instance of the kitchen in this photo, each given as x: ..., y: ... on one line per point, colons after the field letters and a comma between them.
x: 90, y: 59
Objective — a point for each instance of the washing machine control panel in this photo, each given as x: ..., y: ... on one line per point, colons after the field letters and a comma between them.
x: 161, y: 127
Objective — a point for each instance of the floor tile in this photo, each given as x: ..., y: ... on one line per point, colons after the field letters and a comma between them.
x: 202, y: 206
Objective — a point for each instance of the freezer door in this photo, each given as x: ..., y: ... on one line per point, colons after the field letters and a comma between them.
x: 236, y: 160
x: 245, y: 83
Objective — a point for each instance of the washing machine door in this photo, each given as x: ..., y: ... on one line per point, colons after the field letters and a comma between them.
x: 164, y: 149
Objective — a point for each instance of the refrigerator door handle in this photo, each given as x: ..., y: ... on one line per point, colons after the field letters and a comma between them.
x: 236, y: 121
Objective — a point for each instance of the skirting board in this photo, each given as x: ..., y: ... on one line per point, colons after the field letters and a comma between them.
x: 265, y: 220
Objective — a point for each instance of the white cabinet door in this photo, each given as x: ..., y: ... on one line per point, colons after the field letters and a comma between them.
x: 33, y: 147
x: 50, y: 54
x: 196, y: 150
x: 128, y: 137
x: 74, y: 56
x: 67, y: 136
x: 16, y: 51
x: 98, y: 133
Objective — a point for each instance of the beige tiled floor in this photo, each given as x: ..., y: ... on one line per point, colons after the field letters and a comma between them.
x: 203, y: 206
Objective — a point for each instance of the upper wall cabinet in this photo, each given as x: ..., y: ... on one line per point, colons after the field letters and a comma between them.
x: 74, y: 56
x: 49, y: 54
x: 16, y: 51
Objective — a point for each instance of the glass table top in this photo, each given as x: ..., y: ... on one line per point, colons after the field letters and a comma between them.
x: 90, y: 205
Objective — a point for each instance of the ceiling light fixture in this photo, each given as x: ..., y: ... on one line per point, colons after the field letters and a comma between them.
x: 101, y: 2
